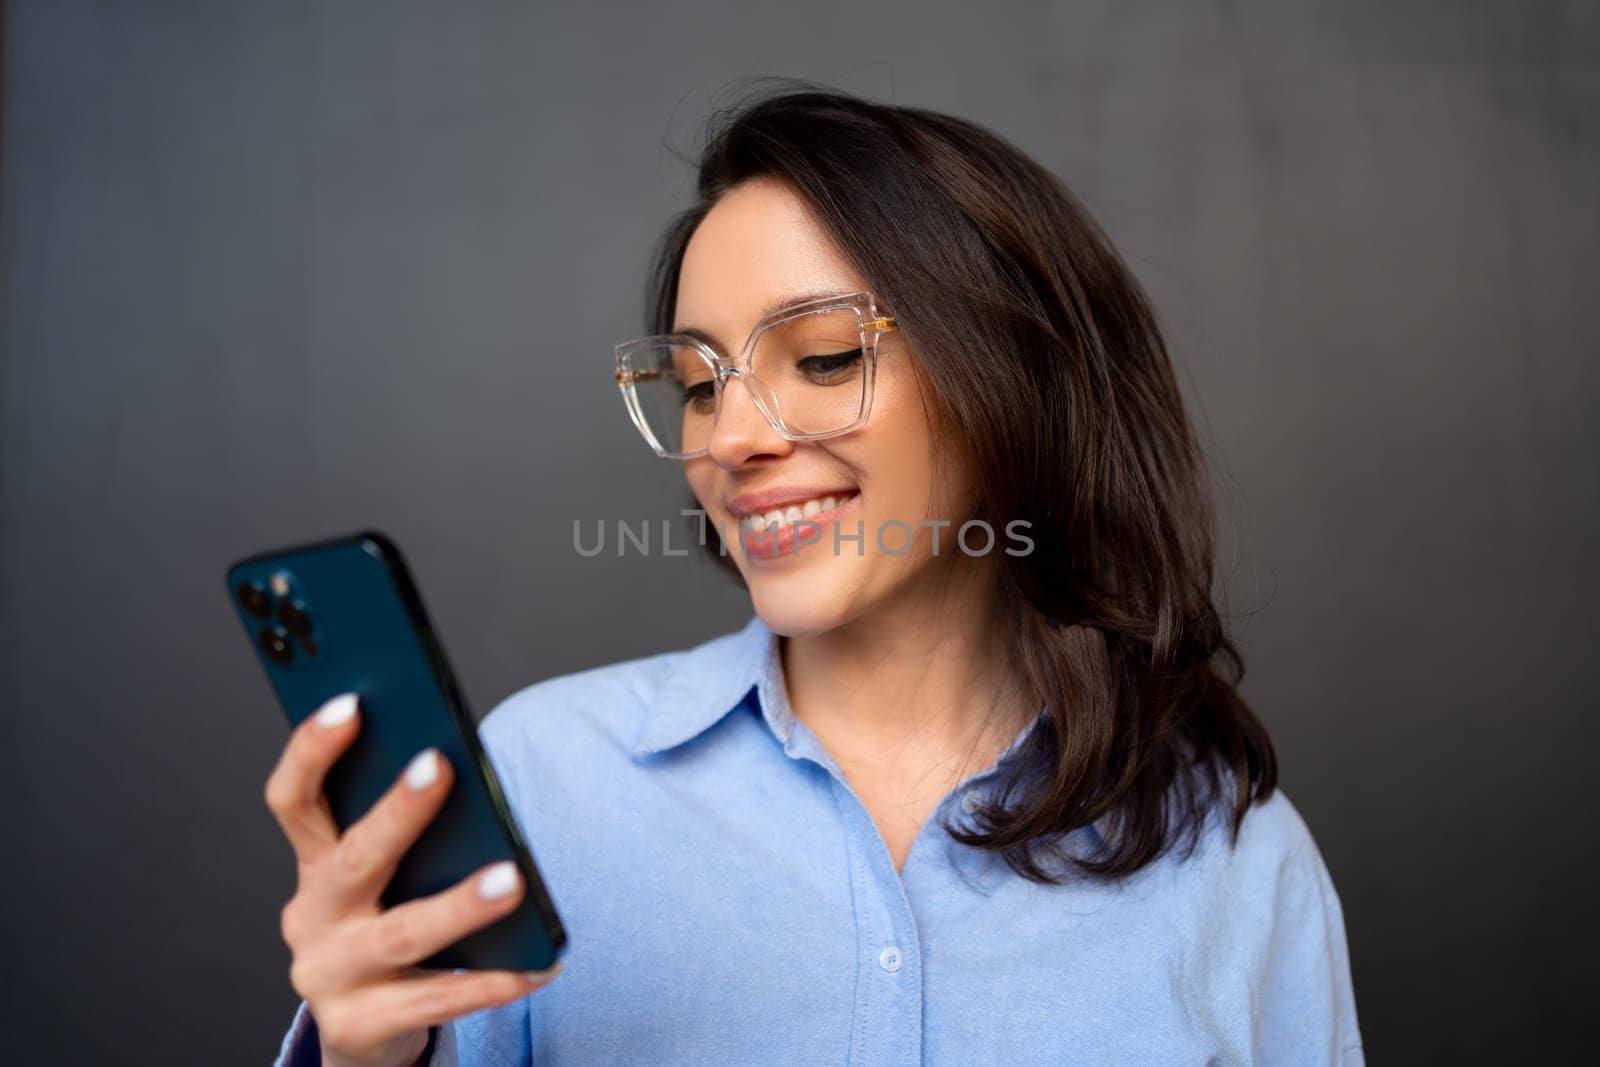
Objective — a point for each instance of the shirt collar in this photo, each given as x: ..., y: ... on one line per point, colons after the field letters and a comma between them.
x: 714, y: 678
x: 707, y: 682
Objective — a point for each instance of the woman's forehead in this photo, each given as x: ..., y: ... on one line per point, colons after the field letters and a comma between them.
x: 756, y: 246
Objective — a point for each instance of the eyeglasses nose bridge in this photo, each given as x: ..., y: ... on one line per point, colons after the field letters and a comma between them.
x: 765, y: 400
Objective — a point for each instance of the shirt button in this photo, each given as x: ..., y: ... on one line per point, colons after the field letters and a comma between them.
x: 970, y: 802
x: 889, y: 959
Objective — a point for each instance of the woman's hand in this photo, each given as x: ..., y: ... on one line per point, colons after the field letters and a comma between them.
x: 354, y: 961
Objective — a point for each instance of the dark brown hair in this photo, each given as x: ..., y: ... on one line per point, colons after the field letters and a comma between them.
x: 1007, y: 289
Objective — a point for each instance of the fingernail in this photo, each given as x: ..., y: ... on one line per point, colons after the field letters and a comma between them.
x: 544, y: 976
x: 423, y: 770
x: 336, y: 711
x: 499, y: 880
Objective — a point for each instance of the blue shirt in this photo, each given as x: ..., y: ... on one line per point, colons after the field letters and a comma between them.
x: 729, y: 900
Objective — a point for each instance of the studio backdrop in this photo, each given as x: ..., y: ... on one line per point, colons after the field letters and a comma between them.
x: 276, y: 271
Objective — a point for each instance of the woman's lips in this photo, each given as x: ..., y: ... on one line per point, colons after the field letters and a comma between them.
x: 780, y: 541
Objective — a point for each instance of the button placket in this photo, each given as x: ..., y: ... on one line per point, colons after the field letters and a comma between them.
x: 888, y: 1019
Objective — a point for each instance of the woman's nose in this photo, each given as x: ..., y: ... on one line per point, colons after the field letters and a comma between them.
x: 742, y: 431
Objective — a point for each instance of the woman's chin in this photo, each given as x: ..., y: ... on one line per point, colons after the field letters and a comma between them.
x: 794, y: 607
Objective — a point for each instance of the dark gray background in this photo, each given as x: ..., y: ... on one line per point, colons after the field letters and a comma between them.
x: 274, y: 271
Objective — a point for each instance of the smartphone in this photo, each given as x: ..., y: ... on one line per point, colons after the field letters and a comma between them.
x: 344, y: 615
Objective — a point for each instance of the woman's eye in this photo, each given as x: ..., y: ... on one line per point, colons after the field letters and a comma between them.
x: 701, y: 396
x: 825, y: 367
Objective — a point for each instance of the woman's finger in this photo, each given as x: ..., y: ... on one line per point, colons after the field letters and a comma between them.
x: 437, y: 998
x: 369, y: 850
x: 408, y: 933
x: 294, y: 788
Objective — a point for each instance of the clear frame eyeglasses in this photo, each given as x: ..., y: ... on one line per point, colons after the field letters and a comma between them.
x: 809, y: 367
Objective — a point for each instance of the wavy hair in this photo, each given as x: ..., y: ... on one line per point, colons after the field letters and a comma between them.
x: 1006, y: 288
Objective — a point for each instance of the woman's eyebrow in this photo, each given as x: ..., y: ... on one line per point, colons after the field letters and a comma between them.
x: 771, y: 307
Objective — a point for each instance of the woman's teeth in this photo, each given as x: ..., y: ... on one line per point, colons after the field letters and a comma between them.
x: 793, y: 513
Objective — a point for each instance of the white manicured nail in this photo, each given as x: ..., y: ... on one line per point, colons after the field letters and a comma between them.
x: 499, y: 880
x: 423, y: 770
x: 336, y: 711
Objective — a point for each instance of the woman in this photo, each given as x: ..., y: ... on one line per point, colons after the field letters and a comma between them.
x: 974, y: 784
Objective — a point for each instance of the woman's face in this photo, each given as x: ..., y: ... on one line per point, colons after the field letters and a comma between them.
x: 759, y: 244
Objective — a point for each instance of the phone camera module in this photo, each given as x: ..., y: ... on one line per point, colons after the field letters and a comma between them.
x: 254, y: 597
x: 292, y: 615
x: 275, y: 642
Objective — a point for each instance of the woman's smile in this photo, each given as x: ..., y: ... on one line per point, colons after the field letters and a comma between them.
x: 772, y: 533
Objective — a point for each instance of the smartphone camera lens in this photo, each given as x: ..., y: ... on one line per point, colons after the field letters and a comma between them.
x: 292, y: 614
x: 254, y: 597
x: 275, y: 642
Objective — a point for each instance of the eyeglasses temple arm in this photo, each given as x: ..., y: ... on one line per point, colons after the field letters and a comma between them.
x: 629, y: 375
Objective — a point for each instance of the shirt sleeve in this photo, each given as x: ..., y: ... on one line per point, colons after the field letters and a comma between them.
x: 302, y: 1047
x: 1307, y: 1010
x: 492, y: 1037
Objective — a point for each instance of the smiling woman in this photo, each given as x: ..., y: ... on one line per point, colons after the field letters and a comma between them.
x: 929, y: 805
